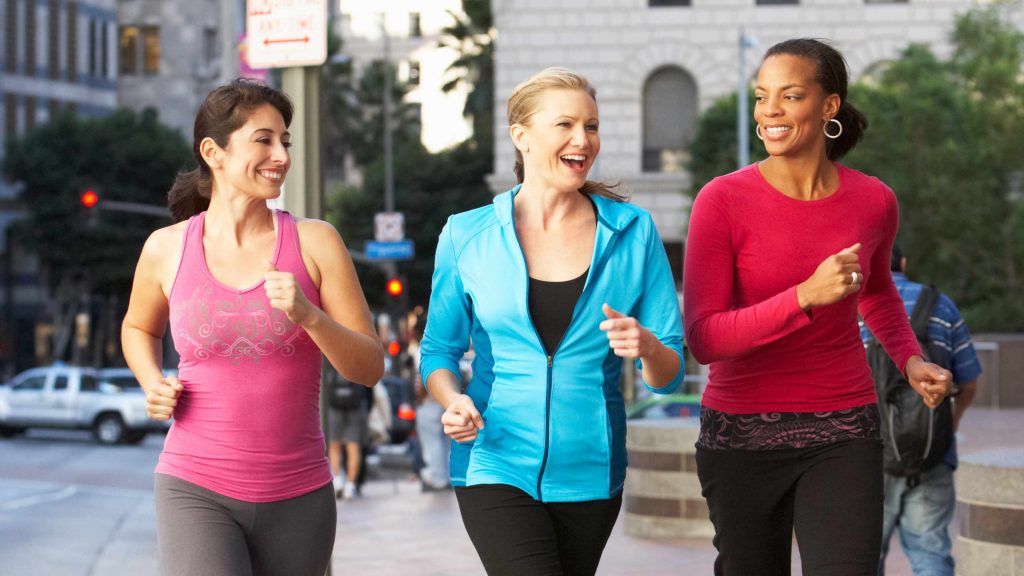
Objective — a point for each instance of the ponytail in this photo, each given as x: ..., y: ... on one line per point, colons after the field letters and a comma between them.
x: 854, y: 124
x: 190, y: 194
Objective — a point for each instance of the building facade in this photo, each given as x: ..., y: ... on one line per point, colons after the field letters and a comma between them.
x: 169, y: 55
x: 657, y: 64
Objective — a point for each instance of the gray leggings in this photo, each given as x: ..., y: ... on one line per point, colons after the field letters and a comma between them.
x: 203, y: 533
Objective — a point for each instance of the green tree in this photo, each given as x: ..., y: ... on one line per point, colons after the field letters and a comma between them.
x: 429, y: 188
x: 125, y: 156
x: 943, y: 135
x: 472, y: 37
x: 713, y: 151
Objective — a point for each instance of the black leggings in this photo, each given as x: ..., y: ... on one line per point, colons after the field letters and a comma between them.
x: 830, y: 495
x: 516, y: 535
x: 203, y: 533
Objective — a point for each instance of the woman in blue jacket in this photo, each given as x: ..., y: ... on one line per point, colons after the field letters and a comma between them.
x: 554, y: 284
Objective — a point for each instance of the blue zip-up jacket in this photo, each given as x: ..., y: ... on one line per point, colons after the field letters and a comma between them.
x: 554, y: 427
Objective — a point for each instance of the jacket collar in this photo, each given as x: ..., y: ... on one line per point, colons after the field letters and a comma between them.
x: 610, y: 213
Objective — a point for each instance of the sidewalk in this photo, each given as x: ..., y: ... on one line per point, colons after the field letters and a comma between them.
x: 394, y: 530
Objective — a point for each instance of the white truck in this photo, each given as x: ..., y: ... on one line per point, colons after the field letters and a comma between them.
x: 109, y: 402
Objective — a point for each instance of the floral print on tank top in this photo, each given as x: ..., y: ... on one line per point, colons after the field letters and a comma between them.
x: 211, y: 323
x: 780, y: 430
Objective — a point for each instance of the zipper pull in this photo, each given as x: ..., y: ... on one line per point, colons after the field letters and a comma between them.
x: 550, y: 360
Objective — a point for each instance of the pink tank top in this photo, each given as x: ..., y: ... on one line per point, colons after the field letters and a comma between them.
x: 247, y: 424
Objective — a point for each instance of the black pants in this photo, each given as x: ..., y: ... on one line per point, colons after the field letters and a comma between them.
x: 516, y: 535
x: 830, y: 495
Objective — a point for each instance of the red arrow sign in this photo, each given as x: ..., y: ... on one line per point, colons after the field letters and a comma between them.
x: 268, y: 41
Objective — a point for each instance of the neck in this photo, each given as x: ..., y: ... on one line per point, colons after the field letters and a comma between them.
x: 807, y: 178
x: 235, y: 219
x: 546, y: 207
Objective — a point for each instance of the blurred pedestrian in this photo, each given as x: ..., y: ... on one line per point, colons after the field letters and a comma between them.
x: 348, y: 431
x: 253, y: 296
x: 435, y: 445
x: 780, y: 258
x: 920, y: 507
x: 555, y: 284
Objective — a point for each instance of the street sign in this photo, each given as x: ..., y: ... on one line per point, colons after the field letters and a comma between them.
x: 388, y: 226
x: 401, y: 250
x: 286, y: 33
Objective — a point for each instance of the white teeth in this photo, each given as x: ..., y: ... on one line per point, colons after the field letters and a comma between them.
x: 270, y: 175
x: 577, y: 157
x: 777, y: 130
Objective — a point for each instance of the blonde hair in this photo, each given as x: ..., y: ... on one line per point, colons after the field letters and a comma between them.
x: 524, y: 102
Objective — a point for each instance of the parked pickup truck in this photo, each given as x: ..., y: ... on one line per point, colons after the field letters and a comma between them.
x: 109, y: 402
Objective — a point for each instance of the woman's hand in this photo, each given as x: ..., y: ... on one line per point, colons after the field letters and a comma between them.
x: 162, y: 397
x: 286, y: 295
x: 626, y: 336
x: 837, y: 277
x: 461, y: 419
x: 931, y: 381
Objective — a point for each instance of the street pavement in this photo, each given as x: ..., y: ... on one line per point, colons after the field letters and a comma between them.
x: 52, y: 526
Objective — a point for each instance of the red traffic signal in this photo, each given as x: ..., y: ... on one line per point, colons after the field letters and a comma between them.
x: 394, y: 348
x: 395, y: 287
x: 89, y: 198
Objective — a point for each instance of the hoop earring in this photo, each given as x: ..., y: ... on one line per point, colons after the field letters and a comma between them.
x: 824, y: 128
x: 757, y: 130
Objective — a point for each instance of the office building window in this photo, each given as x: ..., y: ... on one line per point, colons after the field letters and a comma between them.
x: 665, y: 3
x: 139, y: 50
x: 151, y: 50
x: 94, y: 57
x: 210, y: 48
x: 11, y: 38
x: 414, y: 25
x: 53, y: 43
x: 104, y: 49
x: 129, y: 49
x: 30, y: 39
x: 71, y: 39
x: 669, y: 119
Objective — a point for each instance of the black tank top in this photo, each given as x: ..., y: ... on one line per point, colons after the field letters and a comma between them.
x: 551, y: 306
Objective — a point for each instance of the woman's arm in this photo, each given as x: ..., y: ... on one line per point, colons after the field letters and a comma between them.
x: 342, y: 328
x: 715, y: 330
x: 146, y: 319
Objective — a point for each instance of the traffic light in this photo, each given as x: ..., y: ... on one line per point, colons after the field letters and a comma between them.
x: 90, y: 198
x: 395, y: 287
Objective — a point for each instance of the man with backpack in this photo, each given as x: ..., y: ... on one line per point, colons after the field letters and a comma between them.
x: 920, y: 446
x: 347, y: 431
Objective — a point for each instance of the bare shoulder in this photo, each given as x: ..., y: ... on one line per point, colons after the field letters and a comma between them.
x: 318, y: 237
x: 165, y: 243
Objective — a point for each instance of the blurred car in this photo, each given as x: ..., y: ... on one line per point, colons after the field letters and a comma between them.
x: 402, y: 398
x: 664, y: 406
x: 76, y: 397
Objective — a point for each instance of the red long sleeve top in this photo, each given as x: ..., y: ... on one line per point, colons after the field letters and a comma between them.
x: 747, y: 249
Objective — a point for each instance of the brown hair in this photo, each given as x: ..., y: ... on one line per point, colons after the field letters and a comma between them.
x: 524, y: 102
x: 224, y: 110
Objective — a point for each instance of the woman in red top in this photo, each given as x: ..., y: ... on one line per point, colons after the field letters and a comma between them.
x: 781, y: 258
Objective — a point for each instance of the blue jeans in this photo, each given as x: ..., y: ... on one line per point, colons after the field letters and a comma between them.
x: 922, y: 514
x: 434, y: 444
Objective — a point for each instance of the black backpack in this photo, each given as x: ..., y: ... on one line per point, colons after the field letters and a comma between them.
x: 916, y: 437
x: 342, y: 394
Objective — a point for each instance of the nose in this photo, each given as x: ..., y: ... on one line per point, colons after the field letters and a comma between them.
x: 280, y: 154
x: 579, y: 136
x: 770, y: 107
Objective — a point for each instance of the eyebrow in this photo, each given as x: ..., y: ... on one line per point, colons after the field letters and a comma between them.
x: 786, y: 87
x: 283, y: 134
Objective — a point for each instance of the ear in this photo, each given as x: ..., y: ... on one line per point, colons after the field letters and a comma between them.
x: 831, y: 107
x: 520, y: 139
x: 210, y: 152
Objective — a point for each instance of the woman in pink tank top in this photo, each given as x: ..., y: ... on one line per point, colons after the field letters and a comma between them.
x: 253, y: 297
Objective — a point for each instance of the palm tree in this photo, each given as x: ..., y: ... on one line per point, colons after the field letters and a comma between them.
x: 472, y: 36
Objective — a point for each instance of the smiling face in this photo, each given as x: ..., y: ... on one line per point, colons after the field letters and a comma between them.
x: 256, y: 158
x: 790, y: 107
x: 560, y: 141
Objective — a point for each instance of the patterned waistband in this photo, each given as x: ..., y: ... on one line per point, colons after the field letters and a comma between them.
x: 782, y: 430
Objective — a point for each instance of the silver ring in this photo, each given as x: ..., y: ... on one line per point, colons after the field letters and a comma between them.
x: 854, y: 278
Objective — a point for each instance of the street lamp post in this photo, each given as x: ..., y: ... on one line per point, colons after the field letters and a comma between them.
x: 742, y: 117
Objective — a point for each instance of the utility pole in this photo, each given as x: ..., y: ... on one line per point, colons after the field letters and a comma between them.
x: 742, y: 116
